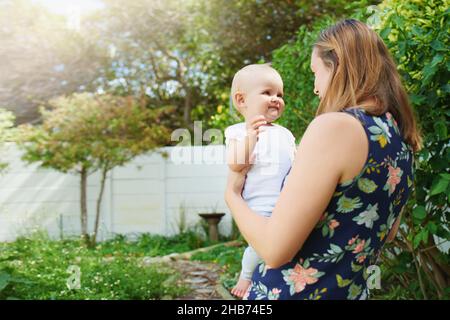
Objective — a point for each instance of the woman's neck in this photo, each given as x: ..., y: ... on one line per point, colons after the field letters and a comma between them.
x: 371, y: 105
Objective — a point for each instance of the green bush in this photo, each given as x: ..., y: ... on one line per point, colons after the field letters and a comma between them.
x: 416, y: 33
x: 152, y: 245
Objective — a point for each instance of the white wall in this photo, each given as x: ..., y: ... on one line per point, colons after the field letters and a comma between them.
x: 146, y: 195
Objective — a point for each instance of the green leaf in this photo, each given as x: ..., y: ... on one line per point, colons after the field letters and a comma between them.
x: 441, y: 130
x: 439, y: 186
x: 385, y: 32
x: 438, y: 46
x: 399, y: 21
x: 5, y: 279
x: 356, y: 267
x: 324, y: 230
x: 431, y: 68
x: 436, y: 60
x: 335, y: 248
x: 417, y: 99
x: 417, y: 240
x: 422, y: 236
x: 425, y: 234
x: 417, y: 31
x: 342, y: 282
x: 446, y: 88
x: 431, y: 226
x: 367, y: 185
x: 419, y: 213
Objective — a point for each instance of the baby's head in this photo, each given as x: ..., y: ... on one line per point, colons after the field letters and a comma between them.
x: 257, y: 89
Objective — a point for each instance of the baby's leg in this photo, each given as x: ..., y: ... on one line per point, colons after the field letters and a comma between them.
x: 249, y: 262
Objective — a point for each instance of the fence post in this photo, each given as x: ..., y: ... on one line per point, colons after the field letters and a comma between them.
x: 164, y: 195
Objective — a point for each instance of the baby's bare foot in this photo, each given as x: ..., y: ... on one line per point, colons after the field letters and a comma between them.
x: 240, y: 288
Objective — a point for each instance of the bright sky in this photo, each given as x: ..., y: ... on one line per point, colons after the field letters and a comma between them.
x: 67, y: 7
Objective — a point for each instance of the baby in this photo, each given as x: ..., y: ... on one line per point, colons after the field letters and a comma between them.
x: 257, y: 94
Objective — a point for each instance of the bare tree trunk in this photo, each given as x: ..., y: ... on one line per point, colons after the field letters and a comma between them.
x: 99, y: 202
x: 416, y: 264
x: 188, y: 108
x: 83, y: 205
x: 436, y: 273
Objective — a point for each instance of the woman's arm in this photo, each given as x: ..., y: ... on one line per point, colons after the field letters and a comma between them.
x: 332, y: 146
x: 238, y: 154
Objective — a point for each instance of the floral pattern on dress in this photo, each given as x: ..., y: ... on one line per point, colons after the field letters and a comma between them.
x: 300, y: 276
x: 328, y: 224
x: 349, y: 236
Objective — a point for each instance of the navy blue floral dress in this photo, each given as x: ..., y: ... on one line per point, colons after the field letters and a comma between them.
x: 335, y: 261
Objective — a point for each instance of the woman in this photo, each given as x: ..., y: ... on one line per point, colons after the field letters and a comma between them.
x: 350, y: 179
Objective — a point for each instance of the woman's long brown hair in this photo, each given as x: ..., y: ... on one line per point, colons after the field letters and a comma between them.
x: 363, y: 70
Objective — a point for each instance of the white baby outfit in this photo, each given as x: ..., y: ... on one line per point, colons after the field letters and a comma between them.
x: 274, y: 152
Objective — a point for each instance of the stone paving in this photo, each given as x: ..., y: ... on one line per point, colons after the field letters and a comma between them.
x: 203, y: 278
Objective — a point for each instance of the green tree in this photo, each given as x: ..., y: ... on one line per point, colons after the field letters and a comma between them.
x: 185, y: 58
x: 281, y: 32
x: 157, y: 49
x: 244, y: 32
x: 41, y: 58
x: 84, y: 133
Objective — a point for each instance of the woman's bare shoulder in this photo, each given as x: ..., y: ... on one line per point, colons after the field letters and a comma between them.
x: 336, y: 120
x: 336, y: 127
x: 344, y: 138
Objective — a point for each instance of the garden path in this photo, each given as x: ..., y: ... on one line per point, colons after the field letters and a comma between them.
x: 203, y: 278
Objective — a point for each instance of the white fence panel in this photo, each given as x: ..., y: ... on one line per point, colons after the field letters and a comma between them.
x: 147, y: 195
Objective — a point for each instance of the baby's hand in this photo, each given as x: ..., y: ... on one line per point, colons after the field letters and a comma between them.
x: 253, y: 127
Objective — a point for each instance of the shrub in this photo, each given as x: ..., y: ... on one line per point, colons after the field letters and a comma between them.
x: 416, y: 32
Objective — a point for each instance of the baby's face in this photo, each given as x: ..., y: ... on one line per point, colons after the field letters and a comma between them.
x: 265, y: 96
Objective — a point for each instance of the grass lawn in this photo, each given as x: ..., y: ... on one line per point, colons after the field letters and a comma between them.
x: 37, y: 268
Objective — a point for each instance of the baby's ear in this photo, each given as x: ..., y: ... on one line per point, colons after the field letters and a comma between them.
x: 239, y: 98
